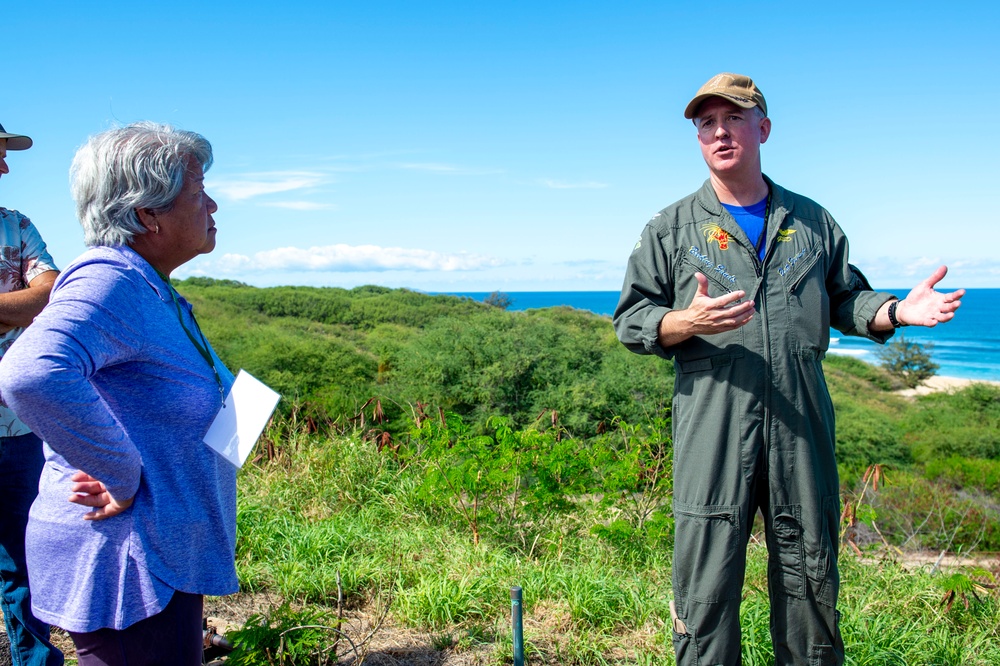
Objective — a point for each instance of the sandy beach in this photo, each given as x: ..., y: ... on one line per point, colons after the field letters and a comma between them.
x: 937, y: 383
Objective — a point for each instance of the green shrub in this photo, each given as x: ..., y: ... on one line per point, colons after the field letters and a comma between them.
x: 502, y: 481
x: 328, y: 350
x: 284, y: 637
x: 964, y: 423
x: 634, y: 469
x: 962, y: 472
x: 917, y: 513
x: 867, y: 435
x: 875, y: 376
x: 306, y: 514
x: 909, y: 361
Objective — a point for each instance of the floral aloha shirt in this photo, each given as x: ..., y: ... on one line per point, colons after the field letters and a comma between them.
x: 23, y: 257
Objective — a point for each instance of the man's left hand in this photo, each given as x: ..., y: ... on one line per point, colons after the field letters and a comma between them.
x: 925, y: 307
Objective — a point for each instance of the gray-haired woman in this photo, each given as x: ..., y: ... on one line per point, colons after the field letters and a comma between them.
x: 118, y: 380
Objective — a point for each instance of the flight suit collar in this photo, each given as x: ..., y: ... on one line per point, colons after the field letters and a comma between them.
x: 781, y: 207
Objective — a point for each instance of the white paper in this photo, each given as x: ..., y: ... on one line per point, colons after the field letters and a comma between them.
x: 237, y: 426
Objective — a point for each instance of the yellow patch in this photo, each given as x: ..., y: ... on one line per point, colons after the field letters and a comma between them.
x: 785, y: 235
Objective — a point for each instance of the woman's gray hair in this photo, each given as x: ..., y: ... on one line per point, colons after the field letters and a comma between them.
x: 124, y: 169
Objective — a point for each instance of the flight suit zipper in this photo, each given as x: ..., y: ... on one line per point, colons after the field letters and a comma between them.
x: 765, y: 333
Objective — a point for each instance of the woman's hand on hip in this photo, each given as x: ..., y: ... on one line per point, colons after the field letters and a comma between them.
x: 88, y: 491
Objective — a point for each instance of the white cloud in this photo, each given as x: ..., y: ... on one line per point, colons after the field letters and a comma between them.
x: 563, y: 185
x: 896, y: 272
x: 350, y: 259
x: 247, y: 186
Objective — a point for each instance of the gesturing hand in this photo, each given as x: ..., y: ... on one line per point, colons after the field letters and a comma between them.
x: 705, y: 315
x: 88, y: 491
x: 925, y: 307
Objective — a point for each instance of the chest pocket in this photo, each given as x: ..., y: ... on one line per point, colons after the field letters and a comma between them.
x: 804, y: 278
x: 702, y: 353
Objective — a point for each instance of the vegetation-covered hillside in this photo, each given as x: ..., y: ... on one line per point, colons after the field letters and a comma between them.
x: 434, y: 450
x: 329, y: 350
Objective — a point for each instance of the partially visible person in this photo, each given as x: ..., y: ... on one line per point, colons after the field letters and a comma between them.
x: 26, y: 276
x: 117, y: 378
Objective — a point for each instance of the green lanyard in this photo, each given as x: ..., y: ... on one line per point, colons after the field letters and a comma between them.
x: 763, y: 231
x: 202, y: 347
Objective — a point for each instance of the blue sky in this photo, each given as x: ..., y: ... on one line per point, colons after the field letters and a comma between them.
x: 463, y: 146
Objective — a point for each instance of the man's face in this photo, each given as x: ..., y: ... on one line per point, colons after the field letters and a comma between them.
x: 3, y: 157
x: 730, y: 136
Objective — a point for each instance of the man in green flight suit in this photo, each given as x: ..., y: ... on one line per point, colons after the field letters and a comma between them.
x: 739, y: 284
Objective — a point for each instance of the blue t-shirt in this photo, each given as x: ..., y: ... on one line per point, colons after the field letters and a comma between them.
x: 751, y: 220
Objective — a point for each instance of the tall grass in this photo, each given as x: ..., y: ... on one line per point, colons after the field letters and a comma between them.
x: 328, y: 505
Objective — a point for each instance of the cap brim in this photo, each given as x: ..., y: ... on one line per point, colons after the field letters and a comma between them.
x: 16, y: 141
x: 693, y: 105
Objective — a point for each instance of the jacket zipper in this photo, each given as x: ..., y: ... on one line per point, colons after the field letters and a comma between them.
x: 759, y: 269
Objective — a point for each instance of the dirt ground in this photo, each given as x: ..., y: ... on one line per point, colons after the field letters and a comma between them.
x: 378, y: 642
x: 387, y: 646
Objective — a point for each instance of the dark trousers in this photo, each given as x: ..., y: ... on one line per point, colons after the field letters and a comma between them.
x: 172, y: 637
x: 21, y: 464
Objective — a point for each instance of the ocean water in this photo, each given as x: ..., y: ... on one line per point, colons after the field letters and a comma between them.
x: 967, y: 347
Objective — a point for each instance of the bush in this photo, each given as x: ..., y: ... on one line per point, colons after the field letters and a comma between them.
x: 836, y: 365
x: 284, y: 637
x: 498, y: 299
x: 328, y: 350
x: 965, y: 423
x: 914, y: 512
x: 503, y: 481
x: 866, y: 435
x: 909, y: 361
x: 966, y: 473
x: 519, y: 365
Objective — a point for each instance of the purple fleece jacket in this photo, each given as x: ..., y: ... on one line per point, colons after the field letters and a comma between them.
x: 109, y: 379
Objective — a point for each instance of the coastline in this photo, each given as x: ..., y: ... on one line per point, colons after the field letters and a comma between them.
x: 939, y: 383
x: 968, y: 348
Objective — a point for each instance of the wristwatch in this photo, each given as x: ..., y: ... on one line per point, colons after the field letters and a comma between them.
x: 892, y: 315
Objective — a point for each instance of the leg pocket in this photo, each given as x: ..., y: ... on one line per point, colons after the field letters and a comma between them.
x: 708, y: 559
x: 787, y: 559
x: 826, y: 578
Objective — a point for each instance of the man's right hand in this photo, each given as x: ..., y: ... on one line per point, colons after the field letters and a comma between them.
x: 705, y: 315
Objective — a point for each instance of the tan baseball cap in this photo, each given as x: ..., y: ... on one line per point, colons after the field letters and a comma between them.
x: 738, y: 89
x: 15, y: 141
